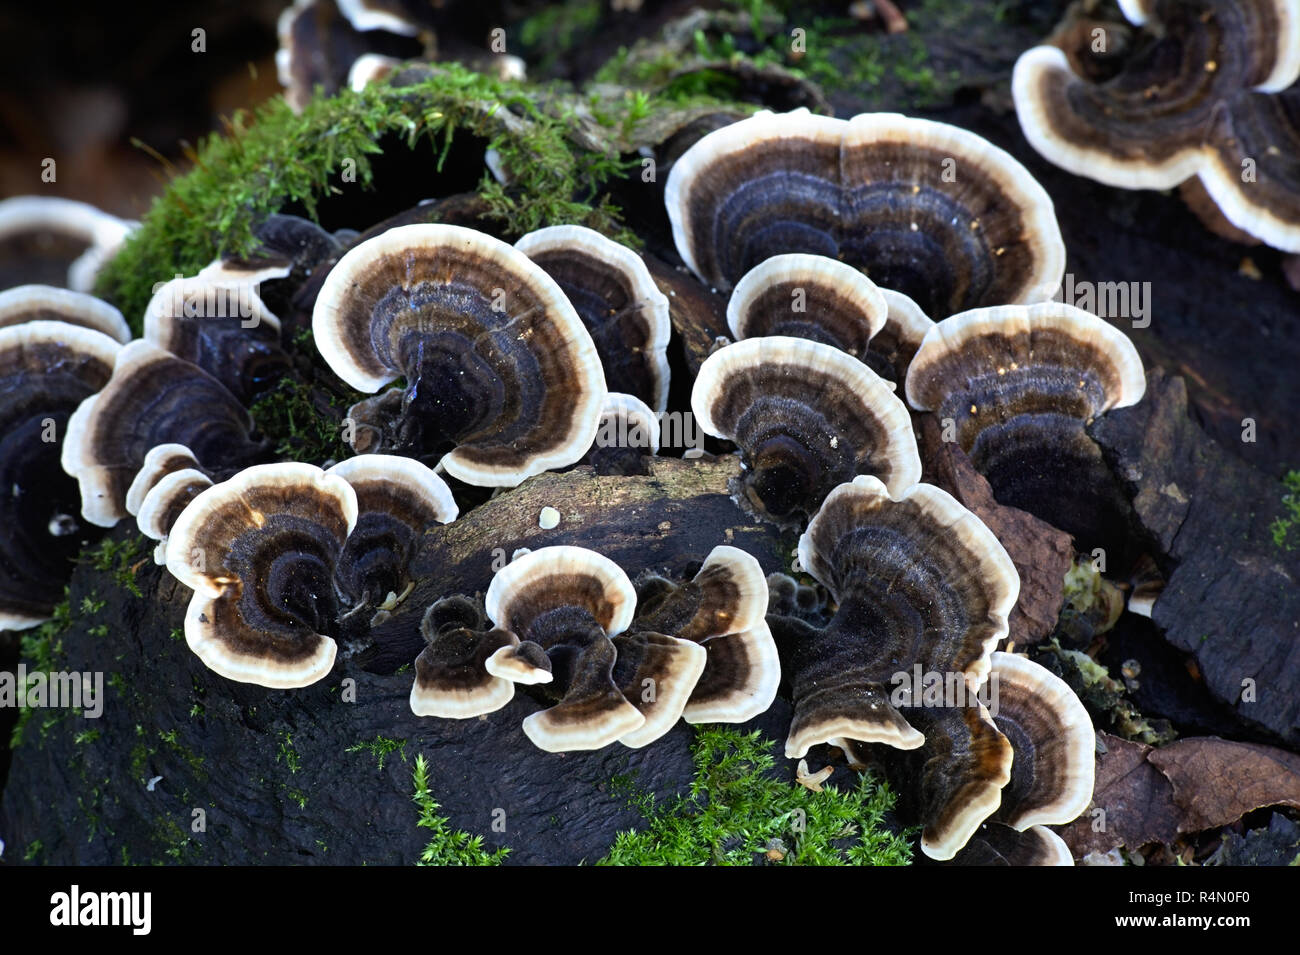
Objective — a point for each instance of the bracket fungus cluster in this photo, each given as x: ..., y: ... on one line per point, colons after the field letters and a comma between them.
x: 503, y: 381
x: 926, y: 209
x: 1208, y: 95
x: 901, y: 673
x: 568, y: 621
x: 280, y: 554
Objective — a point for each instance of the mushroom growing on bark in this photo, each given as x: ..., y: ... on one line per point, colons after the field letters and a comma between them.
x: 617, y: 300
x: 807, y: 417
x: 930, y: 210
x: 502, y: 379
x: 56, y: 241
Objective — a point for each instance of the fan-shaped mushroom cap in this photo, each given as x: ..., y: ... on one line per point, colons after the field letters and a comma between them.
x: 919, y: 581
x: 153, y: 398
x: 996, y: 844
x: 806, y: 417
x: 808, y: 296
x: 497, y: 362
x: 46, y: 370
x: 398, y: 499
x: 224, y: 328
x: 1054, y: 742
x: 723, y: 610
x: 1182, y: 106
x: 656, y: 673
x: 28, y: 303
x: 59, y: 240
x: 164, y: 502
x: 929, y: 209
x: 1020, y: 383
x: 451, y: 677
x: 617, y: 300
x: 259, y: 551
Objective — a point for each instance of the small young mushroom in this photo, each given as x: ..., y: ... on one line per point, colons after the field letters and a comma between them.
x: 30, y: 303
x: 222, y: 327
x: 928, y: 209
x: 617, y: 300
x: 46, y: 370
x: 808, y: 296
x: 152, y: 398
x: 398, y: 499
x: 57, y: 241
x: 1019, y: 384
x: 891, y: 349
x: 502, y: 379
x: 918, y: 580
x: 260, y: 552
x: 806, y: 417
x: 452, y: 680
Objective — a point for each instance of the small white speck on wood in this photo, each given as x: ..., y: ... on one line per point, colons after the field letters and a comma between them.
x: 549, y: 519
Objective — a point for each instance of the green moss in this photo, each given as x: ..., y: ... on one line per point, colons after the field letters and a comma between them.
x: 1282, y: 526
x: 738, y: 812
x: 122, y: 558
x: 287, y: 753
x: 447, y: 846
x: 548, y: 34
x: 41, y: 649
x: 272, y: 158
x: 291, y: 417
x: 381, y: 747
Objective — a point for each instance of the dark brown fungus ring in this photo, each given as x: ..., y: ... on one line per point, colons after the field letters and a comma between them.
x: 46, y: 370
x: 919, y: 581
x: 260, y: 552
x: 999, y: 844
x: 808, y: 296
x: 1019, y: 384
x: 221, y: 326
x: 617, y: 300
x: 58, y: 241
x: 722, y: 608
x: 502, y: 379
x: 32, y: 303
x: 928, y: 209
x: 398, y: 499
x: 152, y: 398
x: 1206, y: 92
x: 807, y: 417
